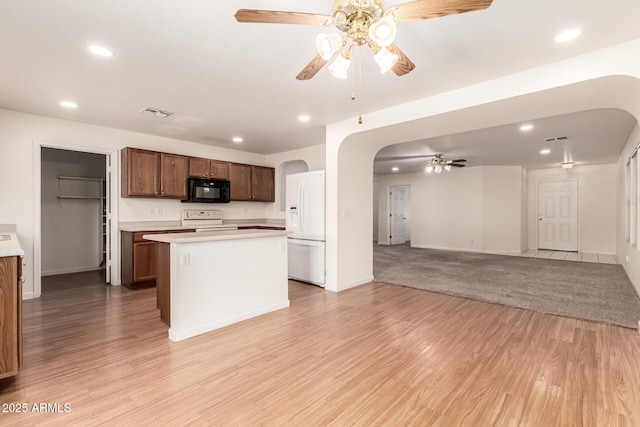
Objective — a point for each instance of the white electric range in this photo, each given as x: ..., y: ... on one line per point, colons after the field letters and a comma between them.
x: 205, y: 220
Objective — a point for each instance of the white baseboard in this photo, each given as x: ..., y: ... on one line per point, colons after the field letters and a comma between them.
x: 480, y: 251
x: 446, y: 248
x: 220, y: 323
x: 27, y: 295
x: 598, y: 253
x: 70, y: 270
x: 355, y: 283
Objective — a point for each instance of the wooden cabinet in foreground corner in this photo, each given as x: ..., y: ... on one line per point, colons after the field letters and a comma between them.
x: 10, y: 315
x: 152, y: 174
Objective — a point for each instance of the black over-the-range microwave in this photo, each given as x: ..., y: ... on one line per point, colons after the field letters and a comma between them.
x: 202, y: 190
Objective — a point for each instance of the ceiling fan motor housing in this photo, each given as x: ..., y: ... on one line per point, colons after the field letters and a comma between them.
x: 355, y: 16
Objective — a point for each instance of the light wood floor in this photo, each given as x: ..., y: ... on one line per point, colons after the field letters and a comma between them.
x: 375, y: 355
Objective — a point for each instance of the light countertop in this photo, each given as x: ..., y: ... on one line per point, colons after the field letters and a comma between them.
x: 212, y: 236
x: 177, y: 225
x: 10, y: 245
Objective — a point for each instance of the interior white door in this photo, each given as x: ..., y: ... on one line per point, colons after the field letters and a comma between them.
x: 400, y: 213
x: 558, y: 216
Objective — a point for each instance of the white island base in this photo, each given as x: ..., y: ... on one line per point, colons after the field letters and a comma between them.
x: 213, y: 279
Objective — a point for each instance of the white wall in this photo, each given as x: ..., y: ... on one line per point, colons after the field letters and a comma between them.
x: 502, y: 209
x: 376, y: 210
x: 597, y: 204
x: 471, y: 209
x: 627, y: 254
x: 18, y: 131
x: 71, y: 228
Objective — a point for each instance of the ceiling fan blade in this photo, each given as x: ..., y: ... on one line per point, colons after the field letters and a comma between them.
x: 403, y: 65
x: 312, y: 68
x: 280, y: 17
x: 425, y: 9
x: 457, y: 165
x: 458, y: 161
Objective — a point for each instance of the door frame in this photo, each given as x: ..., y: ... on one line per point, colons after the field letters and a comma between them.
x: 578, y: 216
x: 37, y: 211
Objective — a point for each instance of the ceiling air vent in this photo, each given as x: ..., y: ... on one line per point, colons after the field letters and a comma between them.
x: 161, y: 114
x: 556, y: 138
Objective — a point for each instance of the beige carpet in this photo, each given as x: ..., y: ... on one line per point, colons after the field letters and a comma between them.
x: 599, y: 292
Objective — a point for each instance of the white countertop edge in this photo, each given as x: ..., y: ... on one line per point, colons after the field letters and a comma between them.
x: 212, y: 236
x: 11, y: 247
x: 136, y: 227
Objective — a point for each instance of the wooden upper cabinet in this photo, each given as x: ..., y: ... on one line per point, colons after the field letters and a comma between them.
x: 219, y: 170
x: 241, y: 177
x: 263, y: 184
x: 153, y: 174
x: 140, y: 173
x: 199, y: 168
x: 206, y: 168
x: 174, y: 171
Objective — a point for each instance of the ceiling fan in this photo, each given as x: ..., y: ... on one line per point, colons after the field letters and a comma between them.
x: 362, y: 23
x: 437, y: 163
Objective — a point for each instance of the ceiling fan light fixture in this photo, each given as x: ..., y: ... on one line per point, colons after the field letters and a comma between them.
x: 383, y: 31
x: 340, y: 66
x: 447, y: 167
x: 385, y: 59
x: 428, y: 169
x: 438, y: 169
x: 328, y: 44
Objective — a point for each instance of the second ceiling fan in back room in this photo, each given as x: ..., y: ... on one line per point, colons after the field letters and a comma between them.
x: 362, y: 23
x: 437, y: 163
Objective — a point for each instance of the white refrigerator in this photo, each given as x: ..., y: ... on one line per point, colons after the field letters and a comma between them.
x: 305, y: 220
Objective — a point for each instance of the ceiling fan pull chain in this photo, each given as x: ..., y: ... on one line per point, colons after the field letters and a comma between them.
x: 359, y: 84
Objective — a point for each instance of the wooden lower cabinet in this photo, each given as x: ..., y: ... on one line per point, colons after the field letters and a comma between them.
x: 139, y: 258
x: 163, y: 283
x: 10, y: 315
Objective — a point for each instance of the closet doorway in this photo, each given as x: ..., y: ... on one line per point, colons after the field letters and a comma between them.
x: 75, y: 216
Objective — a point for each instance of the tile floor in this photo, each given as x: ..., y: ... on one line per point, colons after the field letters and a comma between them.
x: 572, y: 256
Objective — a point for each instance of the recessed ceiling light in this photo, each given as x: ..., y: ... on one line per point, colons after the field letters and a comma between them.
x: 68, y: 104
x: 304, y: 118
x: 566, y: 165
x: 100, y: 50
x: 237, y: 139
x: 526, y: 128
x: 568, y: 35
x: 395, y: 169
x: 545, y: 151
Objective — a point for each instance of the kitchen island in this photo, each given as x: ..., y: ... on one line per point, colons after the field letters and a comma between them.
x: 212, y: 279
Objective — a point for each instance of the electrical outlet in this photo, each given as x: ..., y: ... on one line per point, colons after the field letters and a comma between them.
x: 159, y: 210
x: 151, y: 211
x: 185, y: 260
x: 627, y: 258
